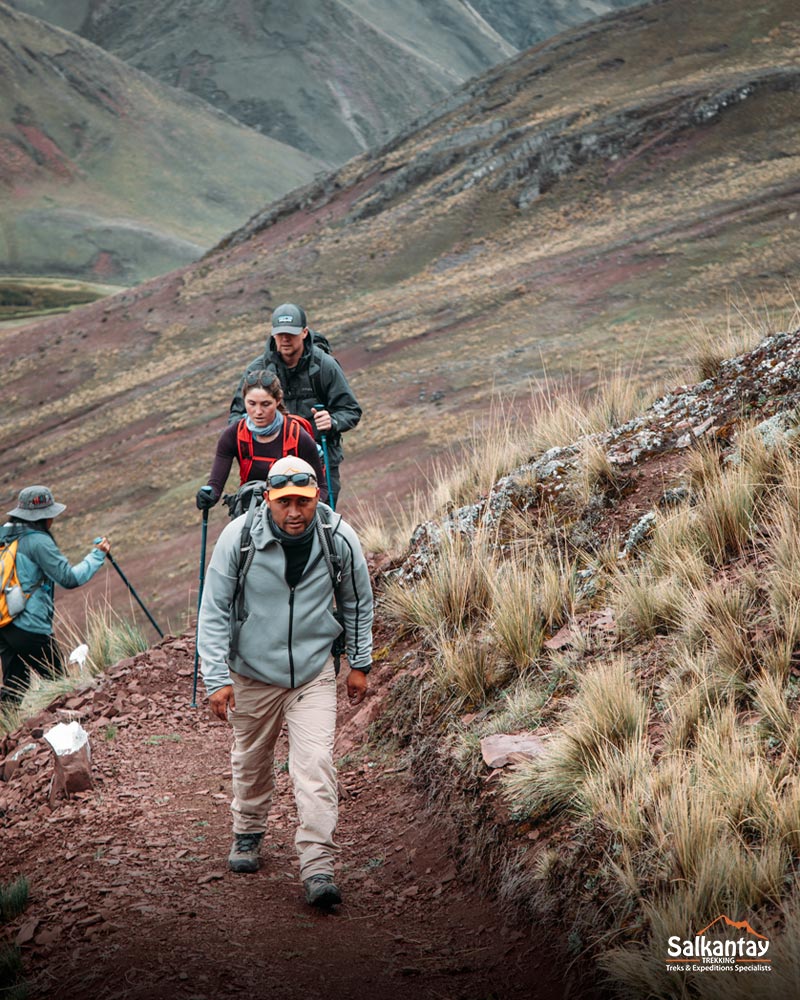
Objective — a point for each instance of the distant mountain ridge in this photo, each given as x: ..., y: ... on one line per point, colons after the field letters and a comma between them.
x: 332, y: 78
x: 108, y: 175
x: 524, y: 23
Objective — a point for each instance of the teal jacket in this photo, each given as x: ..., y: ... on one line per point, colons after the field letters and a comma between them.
x: 41, y: 565
x: 286, y: 635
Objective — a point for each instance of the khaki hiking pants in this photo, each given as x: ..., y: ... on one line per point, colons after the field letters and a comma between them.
x: 310, y: 715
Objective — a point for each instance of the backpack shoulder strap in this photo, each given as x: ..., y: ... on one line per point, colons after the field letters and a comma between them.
x: 325, y: 533
x: 246, y: 553
x: 244, y: 450
x: 292, y: 425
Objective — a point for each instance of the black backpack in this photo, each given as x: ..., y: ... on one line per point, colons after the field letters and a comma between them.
x: 322, y: 342
x: 253, y: 497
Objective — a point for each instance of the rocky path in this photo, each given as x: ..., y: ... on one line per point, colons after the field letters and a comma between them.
x: 131, y: 897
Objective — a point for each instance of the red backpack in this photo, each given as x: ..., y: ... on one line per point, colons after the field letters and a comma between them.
x: 292, y: 425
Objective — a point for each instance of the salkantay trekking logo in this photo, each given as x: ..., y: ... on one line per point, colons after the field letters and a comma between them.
x: 702, y: 953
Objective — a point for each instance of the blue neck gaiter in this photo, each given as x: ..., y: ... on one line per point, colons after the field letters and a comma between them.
x: 273, y: 428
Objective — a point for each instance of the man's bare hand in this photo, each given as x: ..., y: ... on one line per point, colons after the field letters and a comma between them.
x: 356, y: 686
x: 219, y: 701
x: 322, y: 420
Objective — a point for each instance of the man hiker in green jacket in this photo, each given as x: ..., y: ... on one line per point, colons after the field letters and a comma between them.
x: 265, y: 631
x: 314, y: 385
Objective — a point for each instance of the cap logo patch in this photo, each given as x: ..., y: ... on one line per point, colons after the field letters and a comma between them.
x: 285, y: 319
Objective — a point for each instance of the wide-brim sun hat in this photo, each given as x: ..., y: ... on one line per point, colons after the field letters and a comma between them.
x: 35, y: 503
x: 284, y: 470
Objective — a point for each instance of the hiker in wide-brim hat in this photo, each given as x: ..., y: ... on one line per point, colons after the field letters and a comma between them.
x: 265, y: 632
x: 27, y: 640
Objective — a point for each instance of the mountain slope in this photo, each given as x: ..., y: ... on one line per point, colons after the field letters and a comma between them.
x: 331, y: 78
x: 592, y: 203
x: 109, y: 175
x: 524, y: 24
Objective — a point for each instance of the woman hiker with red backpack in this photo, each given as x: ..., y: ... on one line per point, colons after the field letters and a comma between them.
x: 265, y: 434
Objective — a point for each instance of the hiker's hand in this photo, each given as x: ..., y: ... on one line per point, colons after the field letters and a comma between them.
x: 356, y: 686
x: 205, y: 498
x: 103, y: 544
x: 220, y: 700
x: 322, y: 420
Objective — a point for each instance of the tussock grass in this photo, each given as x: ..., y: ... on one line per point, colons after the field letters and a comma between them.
x: 13, y: 898
x: 674, y: 550
x: 521, y: 708
x: 692, y: 689
x: 617, y: 790
x: 607, y: 714
x: 455, y: 592
x: 777, y: 706
x: 784, y: 578
x: 389, y: 534
x: 682, y: 794
x: 531, y: 596
x: 111, y: 637
x: 599, y: 473
x: 466, y: 666
x: 725, y: 514
x: 712, y: 347
x: 490, y: 450
x: 647, y: 605
x: 722, y: 617
x: 563, y: 412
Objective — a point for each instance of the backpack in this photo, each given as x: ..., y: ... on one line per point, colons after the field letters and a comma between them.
x: 249, y: 494
x: 322, y: 342
x: 255, y: 493
x: 12, y: 597
x: 292, y: 424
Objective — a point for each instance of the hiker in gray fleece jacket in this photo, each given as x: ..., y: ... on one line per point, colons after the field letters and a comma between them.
x: 282, y: 625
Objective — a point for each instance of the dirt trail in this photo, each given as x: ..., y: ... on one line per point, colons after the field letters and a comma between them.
x: 131, y: 897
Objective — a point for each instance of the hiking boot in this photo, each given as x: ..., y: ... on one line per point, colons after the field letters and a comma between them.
x: 244, y: 852
x: 321, y: 891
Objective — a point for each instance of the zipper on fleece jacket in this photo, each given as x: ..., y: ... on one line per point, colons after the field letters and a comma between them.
x: 291, y: 621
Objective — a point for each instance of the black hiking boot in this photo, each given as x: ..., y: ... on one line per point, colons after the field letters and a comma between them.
x: 244, y: 852
x: 321, y: 891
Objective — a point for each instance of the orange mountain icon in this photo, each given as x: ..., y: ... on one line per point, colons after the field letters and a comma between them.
x: 739, y: 925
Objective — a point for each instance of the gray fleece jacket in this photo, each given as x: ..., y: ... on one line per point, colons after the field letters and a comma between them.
x: 286, y: 635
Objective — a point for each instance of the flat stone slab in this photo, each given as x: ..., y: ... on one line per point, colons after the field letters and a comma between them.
x: 506, y: 748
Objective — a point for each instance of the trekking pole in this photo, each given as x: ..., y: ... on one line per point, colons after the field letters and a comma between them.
x: 324, y: 442
x: 199, y: 599
x: 323, y: 438
x: 125, y: 580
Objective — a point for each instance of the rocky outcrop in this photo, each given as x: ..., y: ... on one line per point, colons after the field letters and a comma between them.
x: 762, y: 386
